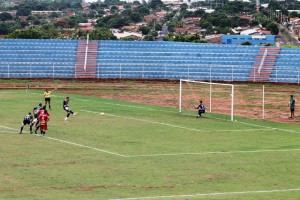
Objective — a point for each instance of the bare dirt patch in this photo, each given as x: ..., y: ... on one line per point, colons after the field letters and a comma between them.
x: 247, y: 101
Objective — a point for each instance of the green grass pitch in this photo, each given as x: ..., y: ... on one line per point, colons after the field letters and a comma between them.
x: 137, y: 151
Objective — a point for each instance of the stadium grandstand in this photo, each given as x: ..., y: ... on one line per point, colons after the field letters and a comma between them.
x: 30, y: 58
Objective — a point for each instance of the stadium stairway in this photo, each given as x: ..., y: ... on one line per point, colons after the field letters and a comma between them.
x: 91, y: 61
x: 267, y: 58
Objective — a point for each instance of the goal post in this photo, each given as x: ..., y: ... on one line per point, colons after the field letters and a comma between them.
x: 210, y: 84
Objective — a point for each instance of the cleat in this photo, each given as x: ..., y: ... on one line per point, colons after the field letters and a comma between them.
x: 20, y: 132
x: 35, y: 131
x: 31, y: 132
x: 75, y: 114
x: 66, y: 119
x: 198, y: 116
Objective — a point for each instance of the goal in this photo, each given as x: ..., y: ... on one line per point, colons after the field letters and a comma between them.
x: 217, y: 97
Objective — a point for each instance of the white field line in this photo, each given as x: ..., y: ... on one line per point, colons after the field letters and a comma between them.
x: 85, y: 146
x: 154, y: 155
x: 216, y: 152
x: 138, y: 107
x: 172, y: 125
x: 198, y: 153
x: 7, y: 131
x: 210, y: 194
x: 71, y: 143
x: 278, y: 129
x: 115, y: 104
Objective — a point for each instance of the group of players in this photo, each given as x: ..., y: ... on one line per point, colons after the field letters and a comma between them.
x: 41, y: 116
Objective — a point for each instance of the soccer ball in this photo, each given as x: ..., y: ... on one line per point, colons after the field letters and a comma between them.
x: 102, y: 113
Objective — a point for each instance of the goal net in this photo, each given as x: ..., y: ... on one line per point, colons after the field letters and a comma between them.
x: 216, y: 97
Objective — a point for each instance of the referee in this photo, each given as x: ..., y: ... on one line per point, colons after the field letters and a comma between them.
x: 47, y: 97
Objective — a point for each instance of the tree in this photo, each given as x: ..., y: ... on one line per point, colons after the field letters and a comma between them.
x: 148, y: 38
x: 145, y: 30
x: 101, y: 13
x: 135, y: 17
x: 183, y: 7
x: 273, y: 28
x: 23, y: 12
x: 102, y: 34
x: 198, y: 13
x: 171, y: 26
x: 253, y: 23
x: 294, y: 14
x: 117, y: 22
x: 5, y: 16
x: 154, y: 33
x: 75, y: 20
x: 114, y: 9
x: 126, y: 12
x: 35, y: 33
x: 26, y: 34
x: 143, y: 10
x: 246, y: 43
x: 136, y: 3
x: 274, y: 5
x: 154, y: 4
x: 4, y: 28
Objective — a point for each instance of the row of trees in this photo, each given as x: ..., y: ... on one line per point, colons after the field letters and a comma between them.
x: 220, y: 21
x: 50, y: 32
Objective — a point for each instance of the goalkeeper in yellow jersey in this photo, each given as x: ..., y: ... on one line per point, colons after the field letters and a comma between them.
x: 47, y: 97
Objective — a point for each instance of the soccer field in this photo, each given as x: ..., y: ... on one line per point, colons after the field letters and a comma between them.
x: 137, y: 151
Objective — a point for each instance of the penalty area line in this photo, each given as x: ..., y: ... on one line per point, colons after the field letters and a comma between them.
x: 85, y: 146
x: 175, y: 126
x: 151, y: 155
x: 68, y: 142
x: 210, y: 194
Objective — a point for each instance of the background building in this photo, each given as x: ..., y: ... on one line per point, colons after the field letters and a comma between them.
x: 253, y: 39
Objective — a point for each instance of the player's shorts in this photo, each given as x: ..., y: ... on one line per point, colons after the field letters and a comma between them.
x: 35, y: 120
x: 67, y: 109
x: 48, y: 99
x: 25, y: 122
x: 292, y: 109
x: 36, y: 115
x: 43, y: 127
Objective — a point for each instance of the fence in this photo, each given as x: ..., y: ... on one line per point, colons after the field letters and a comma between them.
x: 36, y: 70
x: 151, y: 71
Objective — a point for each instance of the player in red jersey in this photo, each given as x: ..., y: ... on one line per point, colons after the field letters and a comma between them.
x: 43, y: 118
x: 43, y: 111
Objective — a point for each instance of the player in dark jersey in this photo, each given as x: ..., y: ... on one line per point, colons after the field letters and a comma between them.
x: 67, y: 108
x: 27, y: 120
x: 201, y: 109
x: 36, y: 115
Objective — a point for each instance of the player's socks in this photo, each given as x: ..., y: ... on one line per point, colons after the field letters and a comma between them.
x: 21, y: 130
x: 36, y: 129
